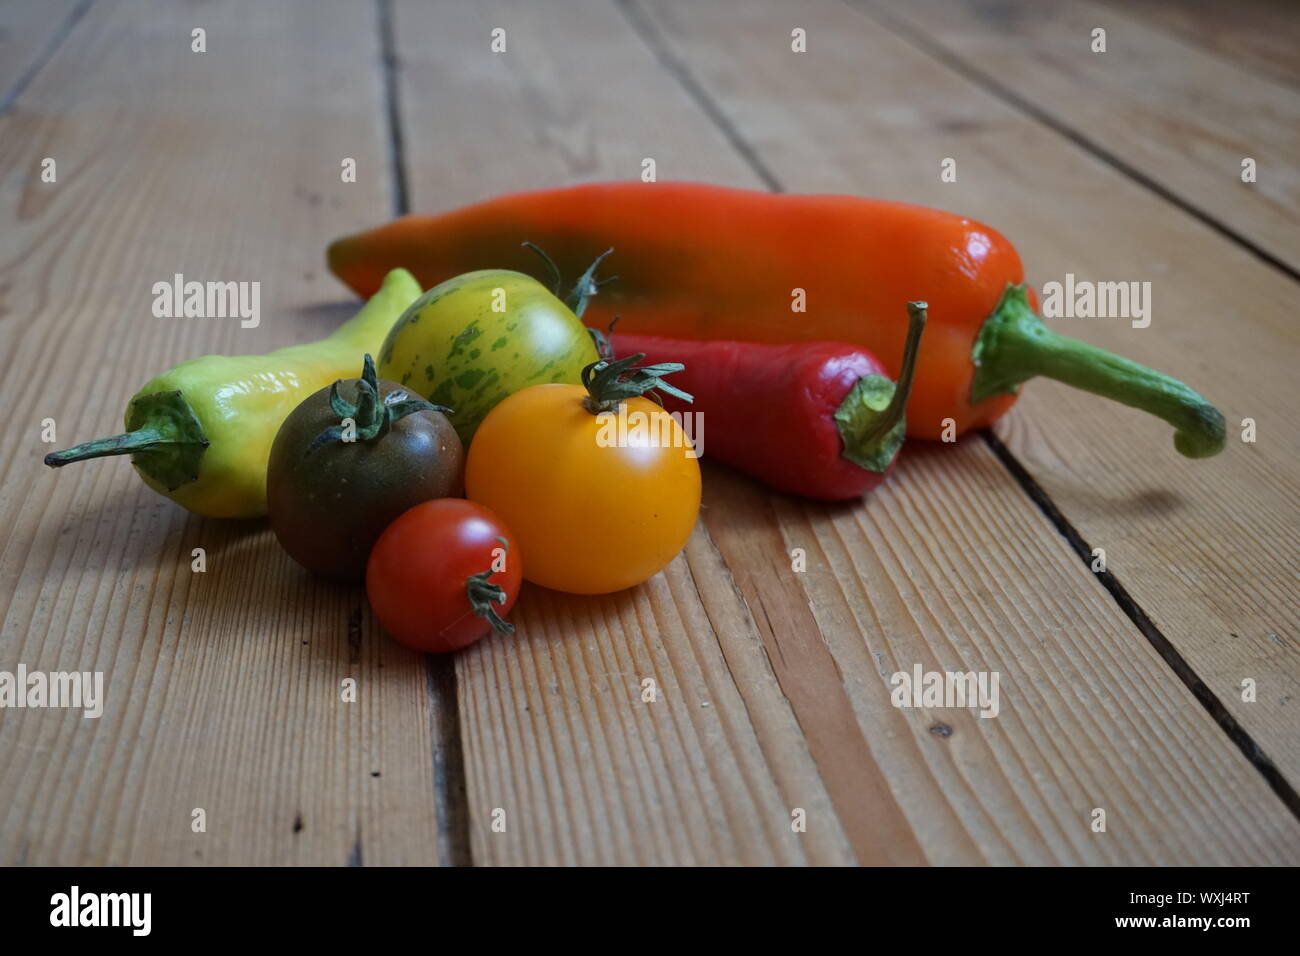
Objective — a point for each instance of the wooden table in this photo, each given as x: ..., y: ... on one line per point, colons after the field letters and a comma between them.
x: 1120, y: 691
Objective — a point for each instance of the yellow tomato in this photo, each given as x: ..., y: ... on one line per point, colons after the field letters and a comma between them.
x: 598, y: 502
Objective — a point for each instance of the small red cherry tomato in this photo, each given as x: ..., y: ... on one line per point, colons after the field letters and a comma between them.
x: 443, y: 574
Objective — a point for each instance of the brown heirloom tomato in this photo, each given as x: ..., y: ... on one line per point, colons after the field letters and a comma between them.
x: 333, y: 487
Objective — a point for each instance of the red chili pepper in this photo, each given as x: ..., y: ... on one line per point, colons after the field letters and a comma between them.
x: 819, y: 419
x: 707, y: 262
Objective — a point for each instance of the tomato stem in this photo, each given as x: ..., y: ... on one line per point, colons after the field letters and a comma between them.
x: 608, y: 383
x: 604, y: 341
x: 551, y: 267
x: 371, y: 418
x: 586, y: 286
x: 483, y: 594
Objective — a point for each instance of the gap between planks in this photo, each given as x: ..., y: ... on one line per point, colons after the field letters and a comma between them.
x: 676, y: 67
x: 389, y: 66
x: 1142, y: 621
x: 449, y: 787
x: 23, y: 80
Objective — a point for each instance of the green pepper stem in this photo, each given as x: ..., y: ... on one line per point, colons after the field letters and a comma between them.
x: 165, y: 439
x: 1014, y: 346
x: 892, y: 416
x: 871, y: 419
x: 128, y: 443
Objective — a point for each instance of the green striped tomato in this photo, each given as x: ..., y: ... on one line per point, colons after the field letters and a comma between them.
x: 476, y: 339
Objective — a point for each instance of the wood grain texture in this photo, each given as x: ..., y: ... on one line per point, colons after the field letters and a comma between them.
x: 1207, y: 548
x: 1258, y: 35
x: 1177, y: 115
x: 772, y: 685
x: 1089, y: 712
x: 799, y: 711
x: 223, y: 688
x: 29, y: 29
x: 556, y: 734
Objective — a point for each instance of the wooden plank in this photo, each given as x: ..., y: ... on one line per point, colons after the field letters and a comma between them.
x: 222, y: 688
x: 1207, y: 548
x: 1181, y: 117
x: 950, y: 566
x: 28, y: 31
x: 1259, y: 35
x: 1209, y: 551
x: 1089, y: 712
x: 556, y: 734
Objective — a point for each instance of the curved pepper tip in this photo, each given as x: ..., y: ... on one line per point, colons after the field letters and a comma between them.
x: 1014, y: 346
x: 1207, y: 436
